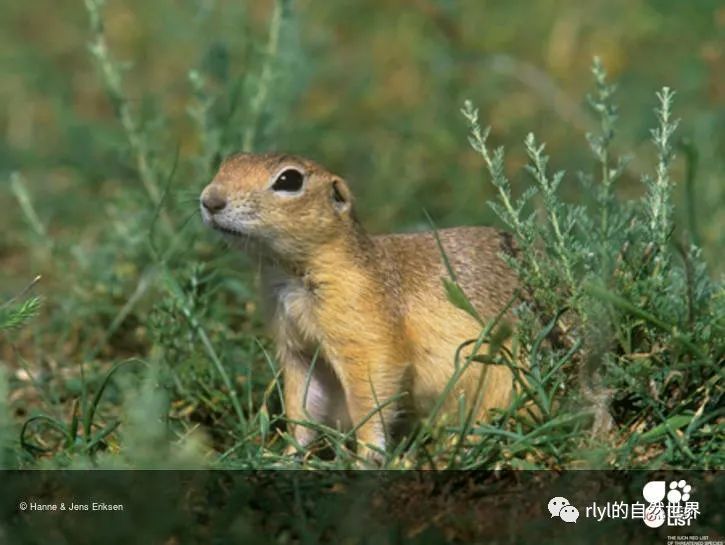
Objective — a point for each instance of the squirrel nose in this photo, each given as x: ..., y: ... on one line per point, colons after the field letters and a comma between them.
x: 213, y: 200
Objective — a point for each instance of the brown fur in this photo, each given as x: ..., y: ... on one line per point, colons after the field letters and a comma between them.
x: 374, y: 306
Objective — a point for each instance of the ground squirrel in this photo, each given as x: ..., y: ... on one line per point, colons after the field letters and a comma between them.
x: 373, y: 309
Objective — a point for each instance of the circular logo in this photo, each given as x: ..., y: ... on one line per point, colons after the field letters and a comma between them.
x: 654, y: 515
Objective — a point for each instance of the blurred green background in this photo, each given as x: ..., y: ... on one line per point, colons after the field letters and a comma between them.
x: 371, y: 89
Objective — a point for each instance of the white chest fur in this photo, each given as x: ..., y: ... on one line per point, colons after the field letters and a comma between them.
x: 291, y: 308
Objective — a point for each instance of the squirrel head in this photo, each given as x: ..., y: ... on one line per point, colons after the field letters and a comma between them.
x: 286, y: 204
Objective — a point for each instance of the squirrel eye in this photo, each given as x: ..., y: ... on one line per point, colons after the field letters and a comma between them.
x: 290, y: 180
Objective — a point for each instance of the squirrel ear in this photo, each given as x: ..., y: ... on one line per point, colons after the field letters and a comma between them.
x: 340, y: 196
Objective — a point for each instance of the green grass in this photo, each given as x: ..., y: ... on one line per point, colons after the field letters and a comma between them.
x: 141, y: 345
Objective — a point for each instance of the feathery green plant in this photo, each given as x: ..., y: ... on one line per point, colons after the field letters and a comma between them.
x: 15, y: 316
x: 646, y: 320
